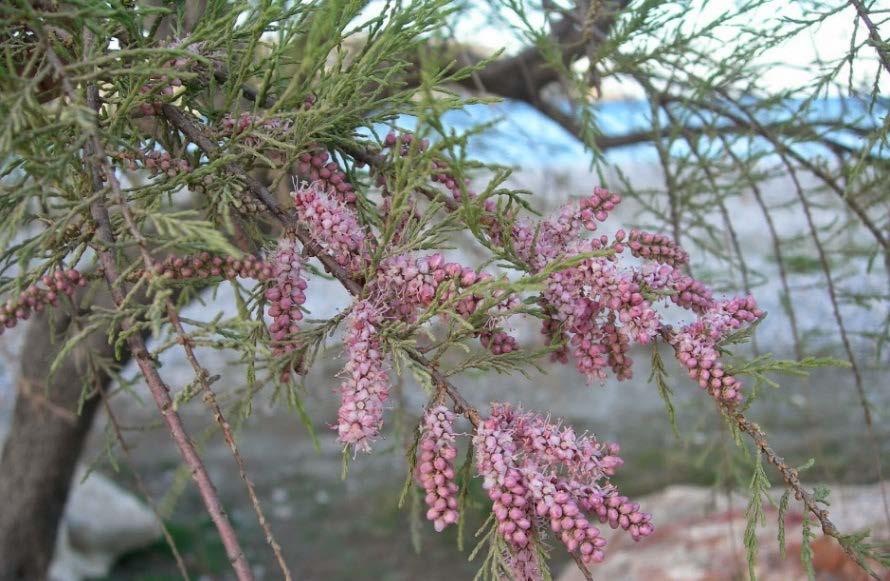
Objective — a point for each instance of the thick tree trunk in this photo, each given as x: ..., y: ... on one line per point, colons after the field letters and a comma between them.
x: 45, y: 441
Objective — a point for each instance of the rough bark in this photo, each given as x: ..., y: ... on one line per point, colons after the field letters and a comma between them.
x: 45, y: 441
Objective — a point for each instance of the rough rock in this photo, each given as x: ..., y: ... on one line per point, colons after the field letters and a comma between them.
x: 102, y: 521
x: 699, y: 537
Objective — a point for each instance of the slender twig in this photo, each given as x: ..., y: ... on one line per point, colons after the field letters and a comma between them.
x: 792, y: 479
x: 670, y: 181
x: 203, y: 377
x: 873, y: 34
x: 776, y: 244
x: 585, y: 571
x: 200, y: 372
x: 161, y: 393
x: 845, y: 340
x: 785, y: 151
x: 159, y: 390
x: 140, y: 484
x: 724, y: 212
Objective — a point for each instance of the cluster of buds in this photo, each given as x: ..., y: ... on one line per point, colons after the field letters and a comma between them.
x: 185, y: 66
x: 156, y: 162
x: 590, y: 300
x: 697, y: 346
x: 589, y: 350
x: 333, y: 224
x: 435, y: 466
x: 235, y: 126
x: 599, y: 306
x: 404, y: 285
x: 244, y: 202
x: 523, y: 563
x: 401, y: 143
x: 617, y: 346
x: 409, y: 284
x: 656, y: 247
x: 36, y: 297
x: 554, y: 504
x: 597, y: 207
x: 205, y: 265
x: 498, y: 342
x: 540, y: 474
x: 317, y: 167
x: 618, y: 511
x: 286, y: 295
x: 539, y: 243
x: 684, y: 291
x: 552, y: 330
x: 365, y: 387
x: 691, y: 294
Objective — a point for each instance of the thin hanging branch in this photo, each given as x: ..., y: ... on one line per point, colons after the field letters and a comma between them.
x: 873, y: 34
x: 140, y: 484
x: 160, y: 392
x: 845, y: 340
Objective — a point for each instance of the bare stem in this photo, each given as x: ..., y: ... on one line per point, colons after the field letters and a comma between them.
x: 140, y: 484
x: 792, y: 480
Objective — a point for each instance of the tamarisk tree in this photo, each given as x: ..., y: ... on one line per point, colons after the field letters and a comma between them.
x: 150, y: 153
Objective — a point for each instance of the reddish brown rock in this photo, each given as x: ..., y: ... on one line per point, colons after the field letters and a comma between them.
x: 699, y: 537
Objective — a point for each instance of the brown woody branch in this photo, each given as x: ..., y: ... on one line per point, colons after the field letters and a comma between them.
x: 873, y: 34
x: 792, y: 479
x: 161, y: 393
x: 159, y: 390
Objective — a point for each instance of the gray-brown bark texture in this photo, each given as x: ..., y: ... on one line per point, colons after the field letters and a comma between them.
x: 45, y: 439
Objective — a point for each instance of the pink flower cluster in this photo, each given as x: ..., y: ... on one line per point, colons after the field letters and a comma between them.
x: 697, y: 346
x: 316, y: 166
x: 333, y: 224
x: 552, y: 330
x: 523, y: 563
x: 539, y: 243
x: 402, y: 287
x: 35, y: 297
x: 684, y: 290
x: 540, y: 474
x: 286, y: 295
x: 597, y: 207
x: 365, y: 387
x: 589, y: 300
x: 498, y: 342
x: 435, y: 466
x: 408, y: 284
x: 600, y: 306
